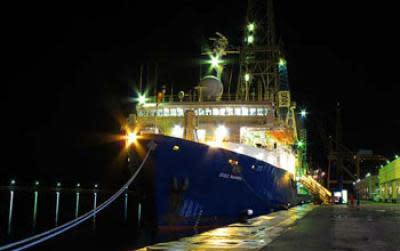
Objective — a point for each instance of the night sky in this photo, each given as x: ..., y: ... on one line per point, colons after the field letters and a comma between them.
x: 69, y: 68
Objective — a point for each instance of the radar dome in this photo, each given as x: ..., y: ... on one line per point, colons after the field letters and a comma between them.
x: 211, y: 88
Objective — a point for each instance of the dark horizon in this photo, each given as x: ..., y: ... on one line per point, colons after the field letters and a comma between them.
x: 70, y: 68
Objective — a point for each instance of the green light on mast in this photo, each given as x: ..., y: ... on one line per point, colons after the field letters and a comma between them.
x: 250, y: 39
x: 300, y: 144
x: 251, y: 27
x: 282, y: 62
x: 215, y: 61
x: 247, y: 77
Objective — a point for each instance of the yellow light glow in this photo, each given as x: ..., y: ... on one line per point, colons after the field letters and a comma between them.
x: 131, y: 138
x: 221, y: 133
x: 201, y: 135
x: 177, y: 131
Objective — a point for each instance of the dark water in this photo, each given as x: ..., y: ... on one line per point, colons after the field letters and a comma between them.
x: 126, y: 224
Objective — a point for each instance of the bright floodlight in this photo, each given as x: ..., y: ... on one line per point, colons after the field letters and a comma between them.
x: 142, y: 99
x: 215, y: 61
x: 303, y: 113
x: 96, y: 186
x: 36, y: 183
x: 12, y: 182
x: 131, y: 138
x: 220, y: 133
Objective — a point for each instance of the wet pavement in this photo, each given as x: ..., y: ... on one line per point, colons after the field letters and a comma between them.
x: 254, y: 235
x: 374, y: 226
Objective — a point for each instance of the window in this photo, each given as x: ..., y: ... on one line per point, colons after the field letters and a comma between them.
x: 229, y: 111
x: 253, y: 111
x: 238, y: 111
x: 208, y: 111
x: 166, y: 112
x: 260, y: 111
x: 222, y: 111
x: 201, y: 111
x: 173, y: 112
x: 215, y: 111
x: 179, y: 111
x: 245, y: 111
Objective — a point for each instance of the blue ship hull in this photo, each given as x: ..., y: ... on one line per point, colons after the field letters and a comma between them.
x: 199, y: 185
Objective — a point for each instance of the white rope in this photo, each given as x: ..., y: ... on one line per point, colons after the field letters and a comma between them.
x: 36, y: 239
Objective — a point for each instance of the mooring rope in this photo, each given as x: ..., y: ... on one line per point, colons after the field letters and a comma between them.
x: 36, y: 239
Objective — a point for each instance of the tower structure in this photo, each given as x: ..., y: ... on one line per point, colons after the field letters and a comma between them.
x: 259, y: 54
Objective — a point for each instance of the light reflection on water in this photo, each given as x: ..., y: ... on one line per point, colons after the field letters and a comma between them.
x: 128, y: 223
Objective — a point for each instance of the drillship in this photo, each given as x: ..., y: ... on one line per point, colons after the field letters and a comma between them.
x: 221, y: 156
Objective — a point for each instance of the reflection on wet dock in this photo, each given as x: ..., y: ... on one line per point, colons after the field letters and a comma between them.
x: 253, y: 235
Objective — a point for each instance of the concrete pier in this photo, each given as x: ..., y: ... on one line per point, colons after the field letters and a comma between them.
x: 373, y: 226
x: 254, y: 235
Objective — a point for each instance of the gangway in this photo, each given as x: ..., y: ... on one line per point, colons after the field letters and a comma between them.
x: 316, y: 189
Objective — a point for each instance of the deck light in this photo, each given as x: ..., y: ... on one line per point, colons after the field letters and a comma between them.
x: 58, y: 184
x: 220, y: 133
x: 96, y: 186
x: 177, y: 131
x: 131, y: 138
x: 396, y: 156
x: 78, y: 184
x: 12, y: 182
x: 215, y: 61
x: 36, y: 183
x: 142, y: 99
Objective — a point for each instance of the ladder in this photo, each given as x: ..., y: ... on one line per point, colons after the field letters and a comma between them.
x: 316, y: 189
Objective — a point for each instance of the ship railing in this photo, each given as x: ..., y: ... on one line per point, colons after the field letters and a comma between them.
x: 194, y: 98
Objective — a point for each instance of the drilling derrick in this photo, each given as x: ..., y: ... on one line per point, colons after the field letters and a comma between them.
x: 259, y: 54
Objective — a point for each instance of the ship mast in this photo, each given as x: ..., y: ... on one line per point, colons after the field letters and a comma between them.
x: 259, y: 55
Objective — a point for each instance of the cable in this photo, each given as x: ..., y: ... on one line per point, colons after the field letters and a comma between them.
x: 66, y: 226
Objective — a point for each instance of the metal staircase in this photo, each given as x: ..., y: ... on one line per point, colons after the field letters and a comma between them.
x: 316, y: 189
